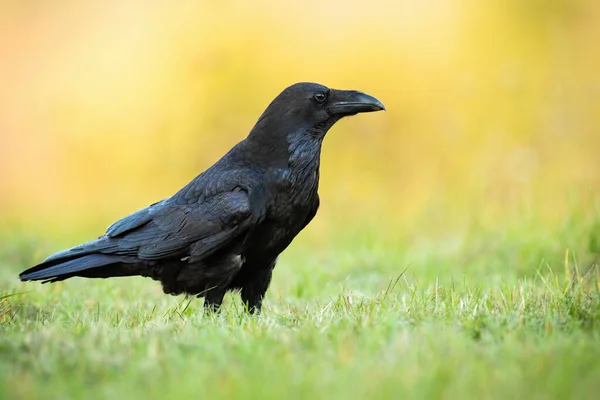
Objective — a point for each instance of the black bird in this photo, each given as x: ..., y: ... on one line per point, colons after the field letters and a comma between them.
x: 225, y: 229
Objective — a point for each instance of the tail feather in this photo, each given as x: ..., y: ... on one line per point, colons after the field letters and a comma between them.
x: 101, y: 245
x: 55, y: 269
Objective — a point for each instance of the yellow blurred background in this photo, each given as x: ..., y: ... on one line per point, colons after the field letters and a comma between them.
x: 493, y: 105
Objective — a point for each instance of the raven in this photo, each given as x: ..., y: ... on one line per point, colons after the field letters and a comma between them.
x: 225, y: 229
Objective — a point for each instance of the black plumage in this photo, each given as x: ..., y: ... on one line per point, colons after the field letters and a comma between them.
x: 225, y: 229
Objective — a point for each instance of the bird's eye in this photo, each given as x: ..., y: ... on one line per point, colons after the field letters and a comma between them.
x: 320, y: 97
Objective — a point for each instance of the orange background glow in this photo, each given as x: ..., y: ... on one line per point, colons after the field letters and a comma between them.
x: 493, y: 106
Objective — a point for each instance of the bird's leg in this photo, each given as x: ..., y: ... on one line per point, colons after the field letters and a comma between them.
x: 213, y: 299
x: 254, y: 290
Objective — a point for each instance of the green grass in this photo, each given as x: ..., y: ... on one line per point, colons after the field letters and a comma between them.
x: 502, y: 312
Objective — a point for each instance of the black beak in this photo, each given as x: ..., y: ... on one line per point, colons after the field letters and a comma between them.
x: 350, y: 102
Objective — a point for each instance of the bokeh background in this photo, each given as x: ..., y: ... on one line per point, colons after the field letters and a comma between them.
x: 493, y: 107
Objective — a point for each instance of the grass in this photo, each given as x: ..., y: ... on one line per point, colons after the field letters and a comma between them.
x: 487, y: 313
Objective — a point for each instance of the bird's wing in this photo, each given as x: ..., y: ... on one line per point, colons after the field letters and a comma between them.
x: 195, y: 222
x: 176, y: 229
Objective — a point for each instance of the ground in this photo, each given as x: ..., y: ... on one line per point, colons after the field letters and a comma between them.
x: 489, y: 311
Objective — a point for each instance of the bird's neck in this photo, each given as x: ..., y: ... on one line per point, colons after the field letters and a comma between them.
x: 299, y: 151
x: 304, y: 161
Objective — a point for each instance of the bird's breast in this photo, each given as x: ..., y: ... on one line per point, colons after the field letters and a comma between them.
x: 286, y: 216
x: 289, y: 203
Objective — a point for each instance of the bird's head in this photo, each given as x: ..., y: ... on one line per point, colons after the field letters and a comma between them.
x: 312, y: 108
